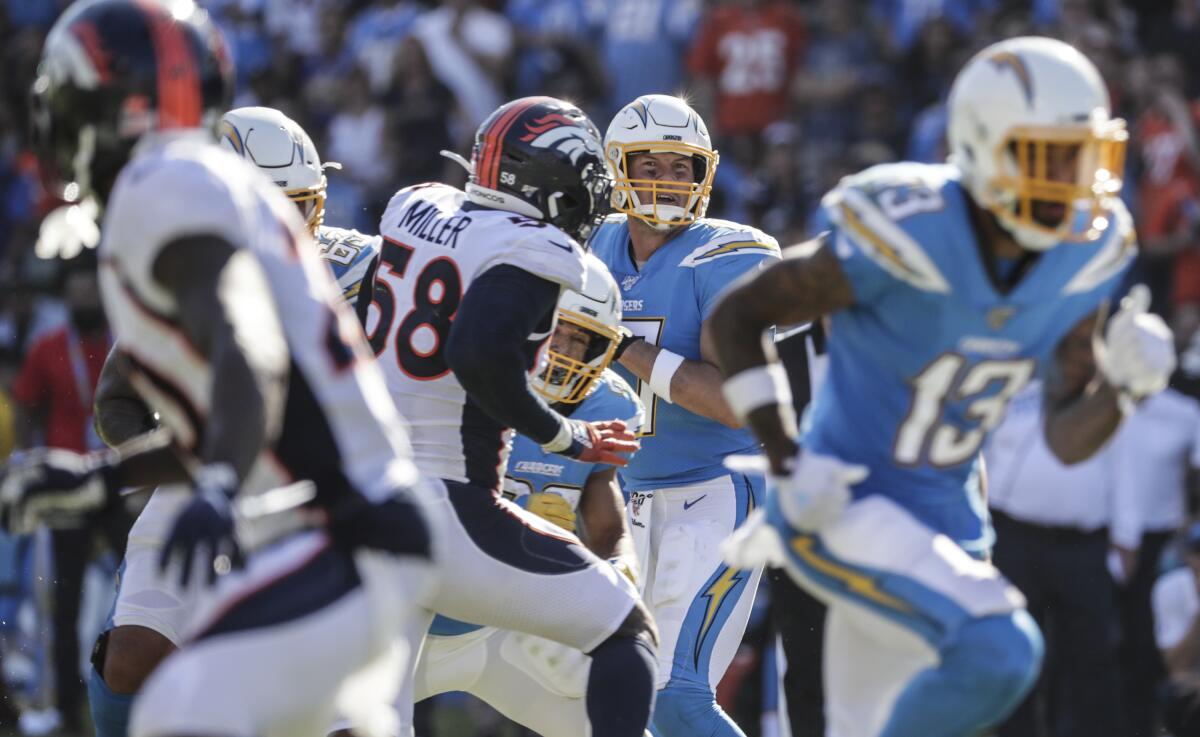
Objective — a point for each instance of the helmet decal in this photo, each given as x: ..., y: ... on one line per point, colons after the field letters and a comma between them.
x: 558, y: 132
x: 1010, y: 60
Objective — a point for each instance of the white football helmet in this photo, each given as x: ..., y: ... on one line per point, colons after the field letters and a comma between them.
x: 596, y: 310
x: 280, y: 147
x: 660, y: 124
x: 1030, y: 127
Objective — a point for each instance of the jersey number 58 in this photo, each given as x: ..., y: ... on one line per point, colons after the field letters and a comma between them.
x: 422, y: 334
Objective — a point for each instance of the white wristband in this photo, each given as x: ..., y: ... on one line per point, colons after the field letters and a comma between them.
x: 756, y: 387
x: 665, y: 366
x: 562, y: 440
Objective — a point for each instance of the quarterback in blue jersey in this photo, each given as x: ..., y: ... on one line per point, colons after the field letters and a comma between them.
x: 947, y: 289
x: 535, y: 682
x: 672, y: 263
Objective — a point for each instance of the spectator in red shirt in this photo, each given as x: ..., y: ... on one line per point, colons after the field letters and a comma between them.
x: 53, y: 393
x: 750, y: 50
x: 1168, y: 147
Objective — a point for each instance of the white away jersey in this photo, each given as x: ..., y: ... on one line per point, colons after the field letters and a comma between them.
x: 340, y: 429
x: 435, y: 243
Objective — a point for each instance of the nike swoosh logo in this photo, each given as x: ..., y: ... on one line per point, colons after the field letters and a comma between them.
x: 559, y: 245
x: 688, y: 505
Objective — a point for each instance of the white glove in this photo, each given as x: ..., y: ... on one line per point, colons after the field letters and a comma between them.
x: 1138, y: 353
x: 817, y: 490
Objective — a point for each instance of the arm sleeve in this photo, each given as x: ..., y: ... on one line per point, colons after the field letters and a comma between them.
x: 501, y: 309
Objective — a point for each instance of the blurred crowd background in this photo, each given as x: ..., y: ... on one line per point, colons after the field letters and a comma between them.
x: 797, y: 93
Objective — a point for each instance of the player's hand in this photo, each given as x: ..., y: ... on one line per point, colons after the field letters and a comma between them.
x: 1137, y: 355
x: 204, y: 529
x: 550, y: 507
x: 595, y: 442
x: 816, y: 490
x: 55, y: 487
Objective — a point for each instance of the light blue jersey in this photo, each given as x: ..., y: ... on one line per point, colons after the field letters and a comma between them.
x: 922, y: 365
x: 682, y: 280
x: 531, y: 469
x: 350, y: 255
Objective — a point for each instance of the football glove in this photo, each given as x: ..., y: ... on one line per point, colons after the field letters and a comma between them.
x: 550, y: 507
x: 1137, y: 355
x: 55, y: 487
x: 816, y: 490
x: 203, y: 533
x: 594, y: 442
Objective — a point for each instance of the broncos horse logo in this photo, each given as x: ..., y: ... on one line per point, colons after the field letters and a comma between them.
x: 559, y: 132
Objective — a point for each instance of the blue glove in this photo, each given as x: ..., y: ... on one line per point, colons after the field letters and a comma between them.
x: 204, y: 529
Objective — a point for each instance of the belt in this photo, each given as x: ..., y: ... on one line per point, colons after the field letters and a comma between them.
x: 1057, y: 533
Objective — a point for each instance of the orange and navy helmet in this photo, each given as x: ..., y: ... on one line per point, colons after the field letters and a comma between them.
x: 114, y: 70
x: 542, y: 157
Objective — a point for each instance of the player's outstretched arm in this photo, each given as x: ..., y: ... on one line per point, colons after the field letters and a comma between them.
x: 603, y: 511
x: 1081, y: 407
x: 695, y: 385
x: 119, y: 412
x: 806, y: 284
x: 486, y: 350
x: 1095, y: 381
x: 228, y: 312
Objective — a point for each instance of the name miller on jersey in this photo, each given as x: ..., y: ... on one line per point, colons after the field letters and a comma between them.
x: 421, y: 220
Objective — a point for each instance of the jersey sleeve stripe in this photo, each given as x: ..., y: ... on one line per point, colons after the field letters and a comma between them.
x: 710, y: 251
x: 883, y: 241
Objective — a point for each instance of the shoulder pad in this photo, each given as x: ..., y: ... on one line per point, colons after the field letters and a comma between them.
x: 541, y: 249
x: 614, y: 399
x: 348, y: 254
x: 723, y: 238
x: 1115, y: 248
x: 868, y: 208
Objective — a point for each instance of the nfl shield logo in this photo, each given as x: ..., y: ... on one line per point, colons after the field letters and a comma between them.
x: 628, y: 282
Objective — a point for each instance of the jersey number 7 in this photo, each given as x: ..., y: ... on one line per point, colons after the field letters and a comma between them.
x: 436, y: 295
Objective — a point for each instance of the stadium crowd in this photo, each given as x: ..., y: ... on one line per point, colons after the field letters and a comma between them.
x: 797, y: 94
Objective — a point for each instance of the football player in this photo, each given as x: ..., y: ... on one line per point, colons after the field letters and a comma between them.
x: 231, y: 330
x: 466, y: 294
x: 672, y: 262
x: 280, y: 147
x: 948, y: 287
x: 148, y: 615
x: 535, y: 682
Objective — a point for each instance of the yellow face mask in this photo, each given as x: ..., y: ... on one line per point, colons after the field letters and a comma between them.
x: 639, y: 197
x: 1055, y: 173
x: 312, y: 205
x: 569, y: 380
